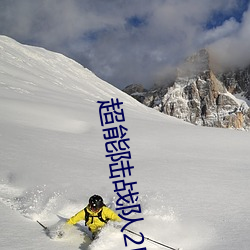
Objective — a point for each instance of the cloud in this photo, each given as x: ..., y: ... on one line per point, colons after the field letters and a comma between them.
x: 233, y: 49
x: 228, y: 28
x: 122, y: 41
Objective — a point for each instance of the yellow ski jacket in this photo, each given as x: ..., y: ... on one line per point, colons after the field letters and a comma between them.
x: 94, y: 223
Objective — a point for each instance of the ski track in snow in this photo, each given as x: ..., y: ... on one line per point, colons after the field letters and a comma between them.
x: 37, y: 205
x: 32, y: 204
x: 40, y: 204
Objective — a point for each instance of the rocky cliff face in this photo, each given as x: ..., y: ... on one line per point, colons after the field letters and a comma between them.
x: 199, y: 96
x: 237, y: 81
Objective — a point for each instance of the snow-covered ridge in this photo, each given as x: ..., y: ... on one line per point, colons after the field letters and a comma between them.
x: 33, y: 74
x: 34, y: 66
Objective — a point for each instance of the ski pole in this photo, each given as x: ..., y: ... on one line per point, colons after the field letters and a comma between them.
x: 45, y: 228
x: 159, y: 243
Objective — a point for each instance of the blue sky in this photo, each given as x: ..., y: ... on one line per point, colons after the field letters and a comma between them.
x: 131, y: 41
x: 218, y: 17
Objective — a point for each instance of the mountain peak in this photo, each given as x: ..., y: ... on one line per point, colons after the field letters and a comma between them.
x: 197, y: 64
x: 200, y: 96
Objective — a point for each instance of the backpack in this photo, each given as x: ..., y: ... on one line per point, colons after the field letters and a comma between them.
x: 99, y: 216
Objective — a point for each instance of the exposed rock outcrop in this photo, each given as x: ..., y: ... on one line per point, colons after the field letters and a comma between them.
x: 199, y: 96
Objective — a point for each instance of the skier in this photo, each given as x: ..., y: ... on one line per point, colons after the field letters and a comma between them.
x: 95, y: 214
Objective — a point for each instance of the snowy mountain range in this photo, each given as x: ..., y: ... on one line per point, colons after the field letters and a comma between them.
x: 193, y: 181
x: 201, y: 94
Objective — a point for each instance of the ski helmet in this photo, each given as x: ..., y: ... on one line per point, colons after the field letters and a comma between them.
x: 95, y: 202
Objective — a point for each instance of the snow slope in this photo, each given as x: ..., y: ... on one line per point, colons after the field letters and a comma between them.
x: 194, y: 182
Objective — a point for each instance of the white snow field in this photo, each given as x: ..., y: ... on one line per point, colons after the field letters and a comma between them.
x: 193, y: 182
